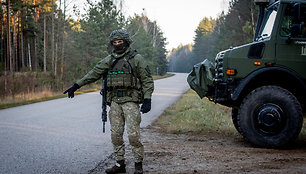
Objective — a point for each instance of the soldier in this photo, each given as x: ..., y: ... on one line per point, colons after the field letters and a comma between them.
x: 129, y: 83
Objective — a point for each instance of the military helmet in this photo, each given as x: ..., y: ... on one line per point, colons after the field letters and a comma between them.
x: 120, y: 34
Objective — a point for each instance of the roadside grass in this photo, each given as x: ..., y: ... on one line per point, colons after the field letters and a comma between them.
x: 46, y: 94
x: 192, y: 115
x: 34, y: 97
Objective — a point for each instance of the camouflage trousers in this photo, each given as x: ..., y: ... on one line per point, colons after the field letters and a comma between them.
x: 120, y: 114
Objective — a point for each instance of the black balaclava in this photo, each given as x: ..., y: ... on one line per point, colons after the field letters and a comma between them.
x: 120, y: 34
x: 121, y: 48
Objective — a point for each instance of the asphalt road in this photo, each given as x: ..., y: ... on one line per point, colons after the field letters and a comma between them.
x: 65, y: 135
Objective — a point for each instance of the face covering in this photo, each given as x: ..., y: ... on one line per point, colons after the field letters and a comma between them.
x: 121, y: 48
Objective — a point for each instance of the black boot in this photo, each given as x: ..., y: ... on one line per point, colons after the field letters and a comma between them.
x: 119, y: 167
x: 138, y: 168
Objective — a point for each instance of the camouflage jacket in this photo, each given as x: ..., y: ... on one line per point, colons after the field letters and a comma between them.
x: 140, y: 70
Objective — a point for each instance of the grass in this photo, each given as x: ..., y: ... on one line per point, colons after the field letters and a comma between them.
x: 46, y: 94
x: 34, y: 97
x: 192, y: 115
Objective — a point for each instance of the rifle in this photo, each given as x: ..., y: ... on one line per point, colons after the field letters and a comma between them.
x: 104, y: 103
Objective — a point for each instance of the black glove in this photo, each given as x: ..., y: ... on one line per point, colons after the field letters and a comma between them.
x: 146, y: 106
x: 71, y: 90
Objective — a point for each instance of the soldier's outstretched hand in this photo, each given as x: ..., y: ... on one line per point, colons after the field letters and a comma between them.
x: 71, y: 90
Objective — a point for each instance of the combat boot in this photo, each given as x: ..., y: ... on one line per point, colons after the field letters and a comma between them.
x: 138, y: 168
x: 119, y: 167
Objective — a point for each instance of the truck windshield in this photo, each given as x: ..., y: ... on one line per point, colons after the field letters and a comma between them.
x: 268, y: 23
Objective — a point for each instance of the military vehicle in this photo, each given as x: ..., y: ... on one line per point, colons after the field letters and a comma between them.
x: 264, y: 82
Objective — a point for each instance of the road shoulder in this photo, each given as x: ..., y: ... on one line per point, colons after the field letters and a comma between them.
x: 183, y: 153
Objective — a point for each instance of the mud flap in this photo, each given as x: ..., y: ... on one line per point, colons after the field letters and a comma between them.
x: 200, y: 79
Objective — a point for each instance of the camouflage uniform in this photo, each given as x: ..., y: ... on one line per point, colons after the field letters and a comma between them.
x: 119, y: 115
x: 124, y: 107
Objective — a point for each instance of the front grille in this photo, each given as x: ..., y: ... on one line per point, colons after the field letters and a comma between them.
x: 219, y: 67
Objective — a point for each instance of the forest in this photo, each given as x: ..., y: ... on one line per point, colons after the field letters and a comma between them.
x: 234, y: 28
x: 43, y: 47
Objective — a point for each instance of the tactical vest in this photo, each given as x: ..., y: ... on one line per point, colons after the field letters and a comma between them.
x: 122, y: 83
x: 121, y: 76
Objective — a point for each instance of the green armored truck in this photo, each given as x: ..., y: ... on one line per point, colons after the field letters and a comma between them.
x: 264, y: 82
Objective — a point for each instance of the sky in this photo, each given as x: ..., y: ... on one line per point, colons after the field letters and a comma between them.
x: 177, y: 19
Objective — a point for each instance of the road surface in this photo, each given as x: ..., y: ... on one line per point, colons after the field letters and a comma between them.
x: 65, y: 135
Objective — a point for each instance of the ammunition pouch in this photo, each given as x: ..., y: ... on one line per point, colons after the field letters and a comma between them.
x: 119, y: 79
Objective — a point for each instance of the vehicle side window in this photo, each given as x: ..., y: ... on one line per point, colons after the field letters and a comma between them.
x: 288, y: 23
x: 303, y: 19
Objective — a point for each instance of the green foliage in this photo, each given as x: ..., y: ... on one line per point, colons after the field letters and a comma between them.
x: 161, y: 61
x: 178, y: 56
x: 214, y: 35
x: 149, y: 42
x: 238, y: 24
x: 102, y: 18
x: 78, y: 44
x: 142, y: 41
x: 88, y: 37
x: 202, y: 47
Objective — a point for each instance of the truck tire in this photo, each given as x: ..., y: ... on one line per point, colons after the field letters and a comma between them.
x: 235, y: 119
x: 270, y: 116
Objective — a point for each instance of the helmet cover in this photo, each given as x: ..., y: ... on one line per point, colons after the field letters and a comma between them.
x: 120, y: 34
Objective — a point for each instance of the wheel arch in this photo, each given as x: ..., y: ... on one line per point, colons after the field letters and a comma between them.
x: 272, y: 76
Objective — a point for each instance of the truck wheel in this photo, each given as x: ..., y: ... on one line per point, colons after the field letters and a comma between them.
x: 270, y: 116
x: 235, y: 119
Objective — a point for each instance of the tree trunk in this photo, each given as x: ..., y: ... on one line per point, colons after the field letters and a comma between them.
x: 59, y: 24
x: 22, y: 46
x: 18, y: 42
x: 4, y: 57
x: 29, y: 52
x: 8, y: 28
x: 55, y: 61
x: 45, y: 44
x: 2, y: 34
x: 63, y: 43
x: 14, y: 50
x: 35, y: 60
x: 52, y: 35
x: 21, y: 39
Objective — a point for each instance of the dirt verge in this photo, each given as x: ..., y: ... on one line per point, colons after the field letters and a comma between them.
x: 181, y: 153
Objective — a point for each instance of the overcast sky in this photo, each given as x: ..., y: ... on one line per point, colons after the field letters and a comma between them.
x: 178, y: 19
